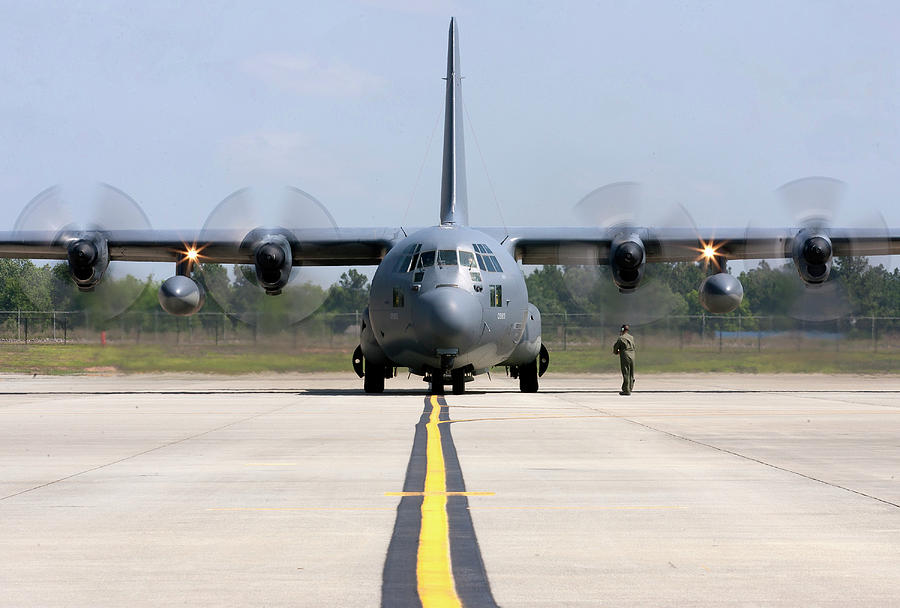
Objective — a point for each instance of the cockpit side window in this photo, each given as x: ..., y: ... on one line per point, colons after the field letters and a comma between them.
x: 408, y: 261
x: 487, y: 261
x: 447, y: 257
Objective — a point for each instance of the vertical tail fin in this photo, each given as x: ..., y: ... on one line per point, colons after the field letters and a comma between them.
x: 454, y: 203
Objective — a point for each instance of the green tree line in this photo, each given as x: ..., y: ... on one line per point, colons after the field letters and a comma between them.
x: 863, y: 290
x: 868, y: 290
x: 26, y: 286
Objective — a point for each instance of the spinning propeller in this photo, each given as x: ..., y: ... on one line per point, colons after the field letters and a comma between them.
x: 79, y: 217
x: 627, y: 294
x: 820, y: 292
x: 264, y: 222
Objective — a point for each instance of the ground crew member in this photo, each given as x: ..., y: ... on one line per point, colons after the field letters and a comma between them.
x: 624, y: 347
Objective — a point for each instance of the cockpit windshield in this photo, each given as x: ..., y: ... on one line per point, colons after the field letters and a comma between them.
x: 447, y: 257
x: 426, y: 259
x: 467, y: 258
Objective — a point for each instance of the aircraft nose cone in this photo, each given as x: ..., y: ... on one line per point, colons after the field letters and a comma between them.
x: 447, y: 317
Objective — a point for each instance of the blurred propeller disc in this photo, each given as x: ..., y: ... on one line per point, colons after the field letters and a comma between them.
x: 612, y: 205
x: 284, y: 210
x: 613, y: 209
x: 95, y: 207
x: 813, y: 203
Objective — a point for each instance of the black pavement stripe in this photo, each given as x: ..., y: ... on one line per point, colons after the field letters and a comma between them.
x: 399, y: 586
x: 469, y: 573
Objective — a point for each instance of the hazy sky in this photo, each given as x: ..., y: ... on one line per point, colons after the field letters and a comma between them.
x: 709, y: 104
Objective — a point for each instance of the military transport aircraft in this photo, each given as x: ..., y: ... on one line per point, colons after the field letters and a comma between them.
x: 448, y: 301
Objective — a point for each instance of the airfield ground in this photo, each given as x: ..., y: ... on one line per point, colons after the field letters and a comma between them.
x: 277, y: 490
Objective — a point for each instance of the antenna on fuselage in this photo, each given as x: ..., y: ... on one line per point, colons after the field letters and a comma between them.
x: 454, y: 204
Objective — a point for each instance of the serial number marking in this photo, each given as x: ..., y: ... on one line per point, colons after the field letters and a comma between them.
x: 501, y: 315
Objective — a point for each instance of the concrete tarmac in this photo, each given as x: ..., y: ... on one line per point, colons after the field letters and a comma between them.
x: 278, y: 490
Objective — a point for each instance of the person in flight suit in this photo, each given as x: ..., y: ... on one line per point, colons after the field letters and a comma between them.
x: 624, y: 347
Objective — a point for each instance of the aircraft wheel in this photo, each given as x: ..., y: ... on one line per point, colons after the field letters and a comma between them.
x: 373, y: 382
x: 436, y: 388
x: 528, y: 377
x: 459, y: 381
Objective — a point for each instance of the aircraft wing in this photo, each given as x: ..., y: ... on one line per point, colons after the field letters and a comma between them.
x: 314, y: 246
x: 586, y: 246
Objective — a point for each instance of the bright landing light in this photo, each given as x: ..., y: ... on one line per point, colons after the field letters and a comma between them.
x: 193, y: 254
x: 709, y: 252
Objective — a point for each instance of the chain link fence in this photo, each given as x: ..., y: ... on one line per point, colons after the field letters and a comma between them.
x: 560, y: 331
x: 729, y: 332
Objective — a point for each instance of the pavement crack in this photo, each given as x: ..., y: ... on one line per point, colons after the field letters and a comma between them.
x: 147, y: 451
x: 763, y: 462
x: 743, y: 456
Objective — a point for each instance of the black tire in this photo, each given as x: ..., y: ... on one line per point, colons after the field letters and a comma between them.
x: 528, y: 377
x: 436, y: 387
x: 459, y: 381
x: 373, y: 382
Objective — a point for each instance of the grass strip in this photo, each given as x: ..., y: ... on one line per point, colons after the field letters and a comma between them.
x: 234, y: 359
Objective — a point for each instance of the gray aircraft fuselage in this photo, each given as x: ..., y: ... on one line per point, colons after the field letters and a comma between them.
x: 450, y: 291
x: 449, y: 302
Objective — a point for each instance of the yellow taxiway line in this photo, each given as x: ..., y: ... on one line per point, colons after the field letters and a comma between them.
x: 433, y: 570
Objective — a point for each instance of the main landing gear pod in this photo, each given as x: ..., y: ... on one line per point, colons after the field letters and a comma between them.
x: 369, y: 361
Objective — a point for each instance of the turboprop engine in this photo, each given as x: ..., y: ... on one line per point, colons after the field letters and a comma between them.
x: 812, y: 256
x: 273, y: 260
x: 181, y: 296
x: 88, y: 258
x: 720, y: 293
x: 626, y: 260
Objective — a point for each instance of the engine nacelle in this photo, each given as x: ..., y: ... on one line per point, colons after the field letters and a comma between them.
x: 812, y: 256
x: 273, y: 259
x: 721, y: 293
x: 626, y: 260
x: 88, y: 257
x: 181, y: 296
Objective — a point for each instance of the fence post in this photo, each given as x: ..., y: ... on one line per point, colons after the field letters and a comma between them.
x: 874, y: 336
x: 65, y: 329
x: 26, y: 329
x: 565, y: 330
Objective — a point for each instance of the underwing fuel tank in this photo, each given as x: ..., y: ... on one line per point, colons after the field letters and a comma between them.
x: 721, y: 293
x: 181, y: 296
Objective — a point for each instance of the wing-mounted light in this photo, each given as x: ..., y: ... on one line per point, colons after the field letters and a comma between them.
x: 812, y: 253
x: 273, y: 258
x: 87, y: 255
x: 626, y: 260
